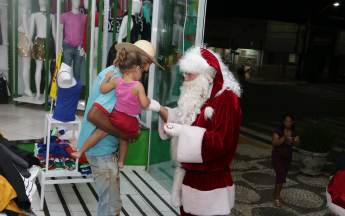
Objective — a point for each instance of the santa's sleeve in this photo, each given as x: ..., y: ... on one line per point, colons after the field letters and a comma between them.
x: 198, y: 145
x: 172, y: 116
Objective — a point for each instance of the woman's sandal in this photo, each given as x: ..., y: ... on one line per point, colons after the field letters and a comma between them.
x: 277, y: 203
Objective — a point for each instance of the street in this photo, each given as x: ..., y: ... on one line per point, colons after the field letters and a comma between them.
x: 252, y: 170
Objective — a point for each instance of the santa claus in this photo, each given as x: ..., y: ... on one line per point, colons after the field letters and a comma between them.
x: 204, y: 129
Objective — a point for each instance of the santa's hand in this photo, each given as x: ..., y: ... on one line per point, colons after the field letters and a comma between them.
x: 172, y: 129
x: 154, y: 106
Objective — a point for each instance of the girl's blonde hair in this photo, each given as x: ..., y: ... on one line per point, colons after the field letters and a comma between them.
x: 127, y: 59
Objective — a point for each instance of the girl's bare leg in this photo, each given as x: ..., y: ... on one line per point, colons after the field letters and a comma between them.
x: 90, y: 142
x: 123, y: 152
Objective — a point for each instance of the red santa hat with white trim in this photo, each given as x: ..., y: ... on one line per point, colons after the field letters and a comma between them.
x: 198, y: 60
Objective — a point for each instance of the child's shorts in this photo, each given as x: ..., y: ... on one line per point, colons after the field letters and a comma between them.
x: 126, y: 123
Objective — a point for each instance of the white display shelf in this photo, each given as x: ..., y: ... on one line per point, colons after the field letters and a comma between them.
x: 33, y: 100
x: 81, y: 105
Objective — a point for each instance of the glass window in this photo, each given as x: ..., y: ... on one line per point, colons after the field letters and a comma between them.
x: 292, y: 58
x: 177, y: 31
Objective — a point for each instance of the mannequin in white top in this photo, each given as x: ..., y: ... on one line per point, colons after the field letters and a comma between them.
x: 82, y: 52
x: 40, y: 20
x: 25, y: 13
x: 65, y: 80
x: 75, y: 10
x: 136, y: 8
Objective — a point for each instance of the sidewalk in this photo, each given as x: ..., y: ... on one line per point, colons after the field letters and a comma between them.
x: 254, y: 177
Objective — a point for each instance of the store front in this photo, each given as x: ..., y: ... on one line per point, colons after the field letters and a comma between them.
x: 171, y: 26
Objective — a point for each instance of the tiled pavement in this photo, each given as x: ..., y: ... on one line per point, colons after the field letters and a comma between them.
x: 254, y: 177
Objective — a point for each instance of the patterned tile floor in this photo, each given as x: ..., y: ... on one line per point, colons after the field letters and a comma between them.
x: 254, y: 177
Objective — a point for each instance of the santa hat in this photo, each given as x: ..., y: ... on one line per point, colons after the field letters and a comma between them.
x: 335, y: 194
x: 198, y: 60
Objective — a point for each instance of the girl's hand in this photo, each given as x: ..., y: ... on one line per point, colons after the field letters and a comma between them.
x: 110, y: 74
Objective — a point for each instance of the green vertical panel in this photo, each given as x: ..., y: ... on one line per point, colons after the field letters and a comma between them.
x: 100, y: 30
x: 63, y: 7
x: 138, y: 151
x: 16, y: 51
x: 115, y: 21
x: 10, y: 48
x: 129, y: 22
x: 47, y: 68
x: 89, y: 57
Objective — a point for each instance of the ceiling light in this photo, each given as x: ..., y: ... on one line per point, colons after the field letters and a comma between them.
x: 336, y: 4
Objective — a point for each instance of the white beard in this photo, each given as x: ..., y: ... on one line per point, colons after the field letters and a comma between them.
x: 194, y: 94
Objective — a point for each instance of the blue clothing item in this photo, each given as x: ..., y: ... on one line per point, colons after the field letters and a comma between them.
x: 109, y: 143
x: 67, y: 101
x: 72, y: 53
x: 105, y: 172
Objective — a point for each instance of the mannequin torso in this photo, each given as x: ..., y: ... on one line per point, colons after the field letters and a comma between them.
x: 136, y: 8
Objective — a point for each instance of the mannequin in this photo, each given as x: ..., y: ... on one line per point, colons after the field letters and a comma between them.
x: 38, y: 54
x: 65, y: 80
x: 136, y: 8
x: 24, y: 44
x: 83, y: 51
x: 71, y: 42
x: 69, y: 89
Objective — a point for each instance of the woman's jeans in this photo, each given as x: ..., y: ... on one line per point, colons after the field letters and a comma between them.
x: 105, y: 172
x: 70, y: 54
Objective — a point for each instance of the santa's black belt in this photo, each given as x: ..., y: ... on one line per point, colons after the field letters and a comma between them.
x: 195, y: 171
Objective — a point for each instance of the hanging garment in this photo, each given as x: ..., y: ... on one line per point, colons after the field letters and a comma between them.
x: 67, y: 101
x: 8, y: 170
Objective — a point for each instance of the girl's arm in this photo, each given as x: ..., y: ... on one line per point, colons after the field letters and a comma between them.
x: 107, y: 86
x: 144, y: 100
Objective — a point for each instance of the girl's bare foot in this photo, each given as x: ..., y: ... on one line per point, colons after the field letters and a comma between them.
x: 76, y: 154
x: 120, y: 164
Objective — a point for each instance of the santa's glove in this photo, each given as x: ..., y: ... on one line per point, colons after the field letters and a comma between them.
x: 172, y: 129
x: 154, y: 106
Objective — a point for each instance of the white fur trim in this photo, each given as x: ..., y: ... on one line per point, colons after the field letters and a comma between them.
x: 208, y: 113
x: 219, y: 201
x: 193, y: 62
x: 171, y: 118
x: 335, y: 209
x: 177, y: 187
x: 189, y: 144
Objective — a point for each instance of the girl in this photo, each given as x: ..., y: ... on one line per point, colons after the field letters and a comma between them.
x: 130, y: 97
x: 282, y: 141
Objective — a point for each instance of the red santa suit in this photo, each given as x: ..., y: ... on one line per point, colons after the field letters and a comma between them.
x: 206, y: 148
x: 335, y: 194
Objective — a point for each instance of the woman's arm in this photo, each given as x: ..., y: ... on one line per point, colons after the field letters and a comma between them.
x: 144, y: 100
x: 276, y: 141
x: 296, y: 142
x: 107, y: 86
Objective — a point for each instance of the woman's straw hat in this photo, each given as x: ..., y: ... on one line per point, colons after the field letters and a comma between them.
x: 142, y: 46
